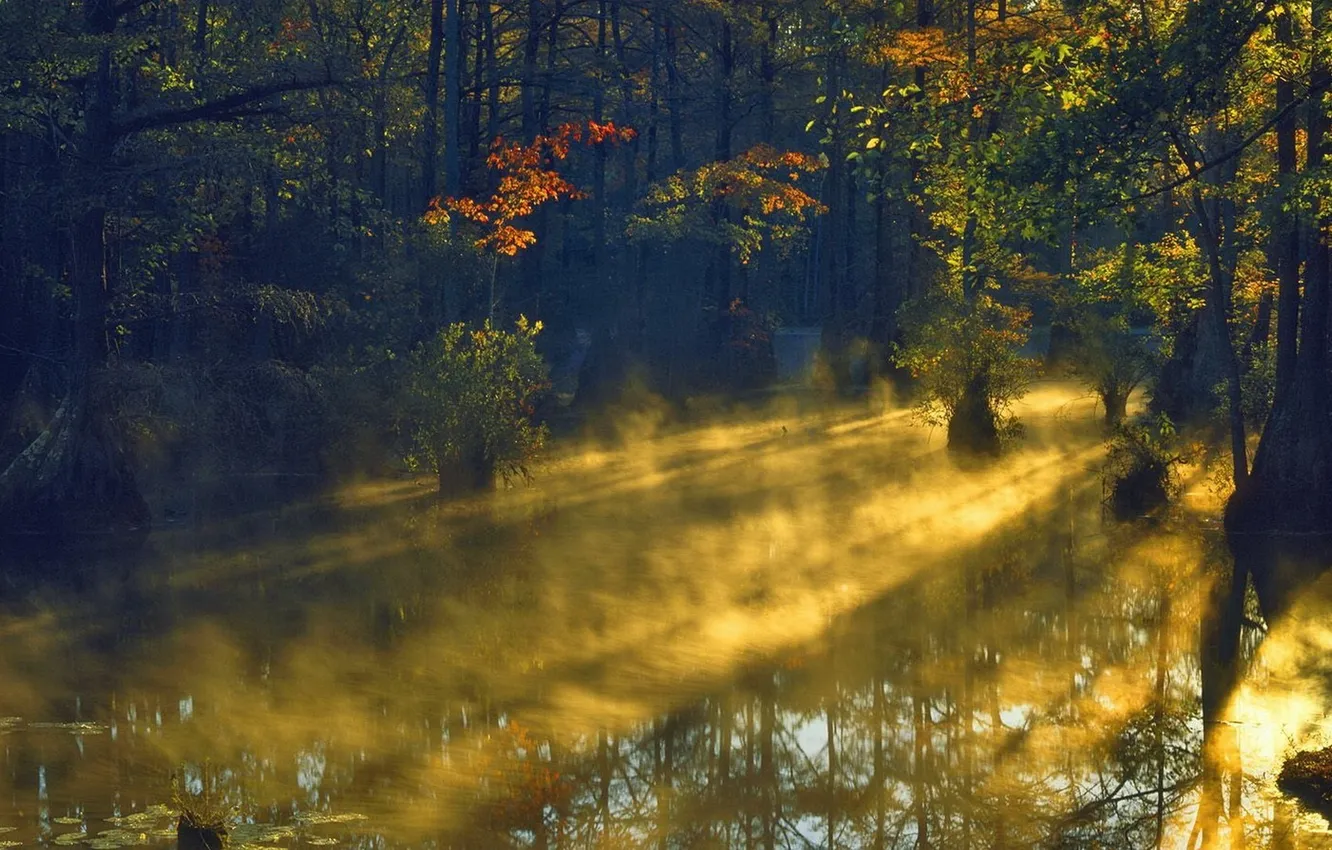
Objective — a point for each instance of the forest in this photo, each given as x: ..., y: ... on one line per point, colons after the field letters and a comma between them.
x: 235, y: 236
x: 662, y: 304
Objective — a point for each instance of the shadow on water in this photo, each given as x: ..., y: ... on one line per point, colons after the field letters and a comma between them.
x: 792, y: 629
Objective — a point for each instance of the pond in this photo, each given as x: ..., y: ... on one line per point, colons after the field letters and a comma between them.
x: 799, y: 628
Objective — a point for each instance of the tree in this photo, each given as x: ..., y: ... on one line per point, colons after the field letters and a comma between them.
x: 735, y: 209
x: 1280, y: 522
x: 471, y: 396
x: 527, y: 181
x: 78, y: 473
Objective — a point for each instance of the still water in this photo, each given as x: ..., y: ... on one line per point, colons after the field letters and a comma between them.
x: 799, y: 629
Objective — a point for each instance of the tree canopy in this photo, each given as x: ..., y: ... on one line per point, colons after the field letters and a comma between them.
x: 193, y: 191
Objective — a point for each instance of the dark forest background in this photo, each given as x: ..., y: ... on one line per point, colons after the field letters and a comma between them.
x: 229, y: 231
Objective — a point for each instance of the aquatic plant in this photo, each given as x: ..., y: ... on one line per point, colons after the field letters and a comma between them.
x: 202, y: 822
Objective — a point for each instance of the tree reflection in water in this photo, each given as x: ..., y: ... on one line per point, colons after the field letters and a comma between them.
x: 1036, y: 702
x: 813, y: 642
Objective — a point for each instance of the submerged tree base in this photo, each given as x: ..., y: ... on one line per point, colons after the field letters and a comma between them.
x: 1280, y: 523
x: 190, y: 836
x: 1141, y: 491
x: 1115, y: 403
x: 75, y: 480
x: 973, y: 429
x: 459, y: 477
x: 1307, y: 776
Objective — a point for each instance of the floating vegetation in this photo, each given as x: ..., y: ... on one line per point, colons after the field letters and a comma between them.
x: 4, y: 845
x: 9, y: 724
x: 71, y: 838
x: 262, y: 833
x: 76, y: 728
x: 149, y: 817
x: 4, y: 829
x: 67, y: 821
x: 109, y: 838
x: 318, y: 818
x: 319, y: 841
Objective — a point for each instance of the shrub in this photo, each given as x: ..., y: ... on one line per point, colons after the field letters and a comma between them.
x: 1111, y: 360
x: 471, y: 395
x: 966, y: 357
x: 1140, y: 467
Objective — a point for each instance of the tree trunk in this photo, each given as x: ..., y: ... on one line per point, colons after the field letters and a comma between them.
x: 1218, y: 311
x: 599, y: 247
x: 490, y: 72
x: 471, y: 472
x: 452, y: 98
x: 1287, y: 234
x: 654, y: 107
x: 723, y: 152
x: 535, y: 108
x: 830, y: 241
x: 971, y: 275
x: 531, y: 52
x: 973, y: 428
x: 1280, y: 525
x: 475, y: 89
x: 77, y: 477
x: 674, y: 101
x: 201, y: 33
x: 917, y: 278
x: 430, y: 154
x: 628, y: 287
x: 1115, y: 400
x: 768, y: 73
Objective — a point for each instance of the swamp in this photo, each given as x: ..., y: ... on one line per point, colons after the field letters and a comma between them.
x: 674, y: 424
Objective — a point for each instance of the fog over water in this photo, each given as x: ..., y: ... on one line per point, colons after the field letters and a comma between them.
x: 799, y: 627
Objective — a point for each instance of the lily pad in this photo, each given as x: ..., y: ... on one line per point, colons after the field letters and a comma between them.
x: 261, y: 833
x: 67, y: 821
x: 149, y: 817
x: 4, y: 845
x: 318, y: 818
x: 321, y: 841
x: 123, y: 837
x: 71, y: 838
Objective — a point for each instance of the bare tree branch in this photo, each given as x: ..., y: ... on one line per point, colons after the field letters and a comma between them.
x: 225, y: 108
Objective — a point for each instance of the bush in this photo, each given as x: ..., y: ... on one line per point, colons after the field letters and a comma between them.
x: 471, y: 396
x: 966, y: 357
x: 1111, y: 360
x: 1140, y: 467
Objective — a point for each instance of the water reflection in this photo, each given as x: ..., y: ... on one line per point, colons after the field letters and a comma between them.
x: 803, y: 629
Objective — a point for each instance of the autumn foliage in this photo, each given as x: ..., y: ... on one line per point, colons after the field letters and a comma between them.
x: 527, y: 179
x: 761, y: 186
